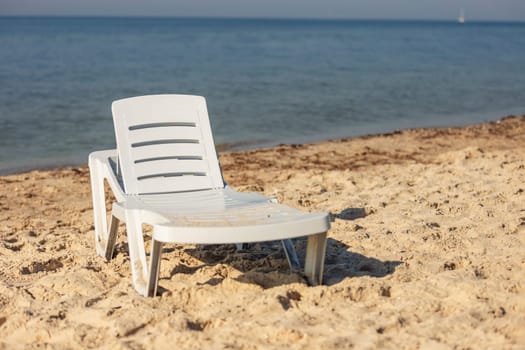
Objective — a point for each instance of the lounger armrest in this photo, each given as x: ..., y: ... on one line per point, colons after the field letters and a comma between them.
x: 153, y: 217
x: 102, y: 165
x: 106, y: 164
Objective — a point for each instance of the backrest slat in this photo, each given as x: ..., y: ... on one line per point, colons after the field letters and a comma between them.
x: 168, y: 149
x: 170, y: 166
x: 177, y: 184
x: 165, y: 133
x: 165, y: 144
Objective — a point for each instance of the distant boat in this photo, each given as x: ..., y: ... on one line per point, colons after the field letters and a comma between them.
x: 461, y: 18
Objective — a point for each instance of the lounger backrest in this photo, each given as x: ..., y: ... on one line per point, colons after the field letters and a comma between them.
x: 165, y: 144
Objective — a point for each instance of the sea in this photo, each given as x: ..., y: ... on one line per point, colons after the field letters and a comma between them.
x: 266, y: 81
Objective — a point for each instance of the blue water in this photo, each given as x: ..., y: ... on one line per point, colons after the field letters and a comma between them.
x: 266, y: 81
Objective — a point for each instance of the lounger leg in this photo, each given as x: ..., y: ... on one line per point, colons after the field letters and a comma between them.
x: 291, y: 255
x: 154, y: 268
x: 314, y: 263
x: 99, y: 210
x: 137, y: 253
x: 112, y: 238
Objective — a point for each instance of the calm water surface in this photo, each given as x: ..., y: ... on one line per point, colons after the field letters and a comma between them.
x: 266, y: 81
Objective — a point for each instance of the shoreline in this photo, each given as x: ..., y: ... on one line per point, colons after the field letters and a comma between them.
x: 246, y: 146
x: 426, y: 250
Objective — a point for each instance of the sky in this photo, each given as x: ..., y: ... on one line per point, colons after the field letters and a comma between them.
x: 506, y: 10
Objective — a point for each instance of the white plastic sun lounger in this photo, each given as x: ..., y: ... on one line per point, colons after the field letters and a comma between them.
x: 165, y: 173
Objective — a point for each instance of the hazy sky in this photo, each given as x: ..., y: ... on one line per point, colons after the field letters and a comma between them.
x: 394, y: 9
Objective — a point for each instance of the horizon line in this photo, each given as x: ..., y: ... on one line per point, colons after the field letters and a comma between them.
x: 326, y: 19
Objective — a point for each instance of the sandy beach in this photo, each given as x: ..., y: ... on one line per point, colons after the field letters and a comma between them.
x: 426, y: 251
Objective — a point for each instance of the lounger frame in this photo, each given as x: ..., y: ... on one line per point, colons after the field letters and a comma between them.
x: 165, y: 173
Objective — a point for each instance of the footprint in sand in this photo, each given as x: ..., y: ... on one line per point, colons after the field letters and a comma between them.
x: 12, y: 243
x: 37, y: 266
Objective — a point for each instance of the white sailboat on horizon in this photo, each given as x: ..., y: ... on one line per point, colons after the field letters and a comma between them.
x: 461, y: 18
